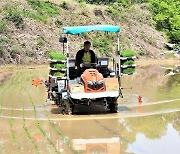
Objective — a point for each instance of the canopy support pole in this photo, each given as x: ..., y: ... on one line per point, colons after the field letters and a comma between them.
x: 119, y: 66
x: 119, y: 62
x: 67, y: 59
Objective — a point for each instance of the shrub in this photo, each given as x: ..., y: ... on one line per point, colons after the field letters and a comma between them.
x: 127, y: 53
x: 58, y: 23
x: 64, y: 5
x: 1, y: 51
x: 141, y: 52
x: 40, y: 42
x: 14, y: 16
x: 14, y: 51
x: 2, y: 27
x: 151, y: 41
x: 103, y: 44
x: 57, y: 56
x: 167, y: 17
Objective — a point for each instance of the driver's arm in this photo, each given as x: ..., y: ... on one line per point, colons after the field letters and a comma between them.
x: 79, y: 56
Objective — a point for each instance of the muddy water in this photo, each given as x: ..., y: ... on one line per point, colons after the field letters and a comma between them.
x: 29, y: 124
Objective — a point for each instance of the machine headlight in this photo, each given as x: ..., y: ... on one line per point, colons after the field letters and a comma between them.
x: 89, y: 82
x: 100, y: 81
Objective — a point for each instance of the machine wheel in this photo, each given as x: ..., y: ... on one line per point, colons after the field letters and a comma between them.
x: 113, y: 107
x: 67, y: 107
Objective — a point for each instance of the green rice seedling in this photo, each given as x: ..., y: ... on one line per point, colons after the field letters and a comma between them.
x: 129, y: 70
x: 59, y: 133
x: 16, y: 86
x: 38, y: 124
x: 57, y: 56
x: 24, y: 121
x: 6, y: 87
x: 59, y: 74
x: 127, y: 53
x: 129, y: 62
x: 37, y: 121
x: 61, y: 66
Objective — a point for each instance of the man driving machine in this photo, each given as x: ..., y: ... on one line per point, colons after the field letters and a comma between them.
x: 85, y: 57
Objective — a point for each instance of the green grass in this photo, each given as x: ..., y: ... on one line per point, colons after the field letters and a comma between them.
x: 57, y: 56
x: 141, y: 52
x: 103, y: 44
x: 129, y: 70
x: 2, y: 27
x: 14, y: 16
x: 129, y: 62
x: 44, y: 9
x: 127, y: 53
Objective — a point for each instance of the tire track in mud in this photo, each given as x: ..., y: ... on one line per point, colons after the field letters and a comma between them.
x: 15, y: 80
x: 58, y: 133
x: 29, y: 136
x: 150, y: 103
x: 38, y: 123
x: 6, y: 86
x: 17, y: 85
x: 4, y: 89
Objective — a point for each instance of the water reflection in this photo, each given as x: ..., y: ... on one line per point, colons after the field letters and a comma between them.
x: 87, y: 137
x: 99, y: 146
x: 150, y: 134
x: 168, y: 143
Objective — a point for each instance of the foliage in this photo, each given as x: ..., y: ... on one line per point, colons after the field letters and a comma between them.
x: 113, y: 11
x: 127, y: 53
x: 166, y: 13
x: 44, y: 10
x: 14, y: 50
x: 58, y: 23
x: 2, y: 27
x: 64, y: 5
x: 40, y: 42
x: 151, y: 41
x: 57, y: 56
x: 170, y: 54
x: 141, y: 52
x: 1, y: 51
x: 129, y: 70
x: 14, y: 16
x: 103, y: 44
x: 129, y: 62
x: 62, y: 66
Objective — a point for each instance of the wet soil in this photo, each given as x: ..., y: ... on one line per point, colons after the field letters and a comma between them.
x: 30, y: 124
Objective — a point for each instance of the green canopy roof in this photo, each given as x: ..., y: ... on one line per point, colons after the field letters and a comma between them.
x: 74, y: 30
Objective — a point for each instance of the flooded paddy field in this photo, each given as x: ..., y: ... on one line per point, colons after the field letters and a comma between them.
x: 30, y: 124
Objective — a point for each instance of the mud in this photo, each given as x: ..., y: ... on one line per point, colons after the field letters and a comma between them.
x: 31, y: 124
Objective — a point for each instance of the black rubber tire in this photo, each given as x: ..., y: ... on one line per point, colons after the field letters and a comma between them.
x: 113, y: 107
x: 67, y: 107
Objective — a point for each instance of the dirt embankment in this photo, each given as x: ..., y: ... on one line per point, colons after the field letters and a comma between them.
x: 38, y: 35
